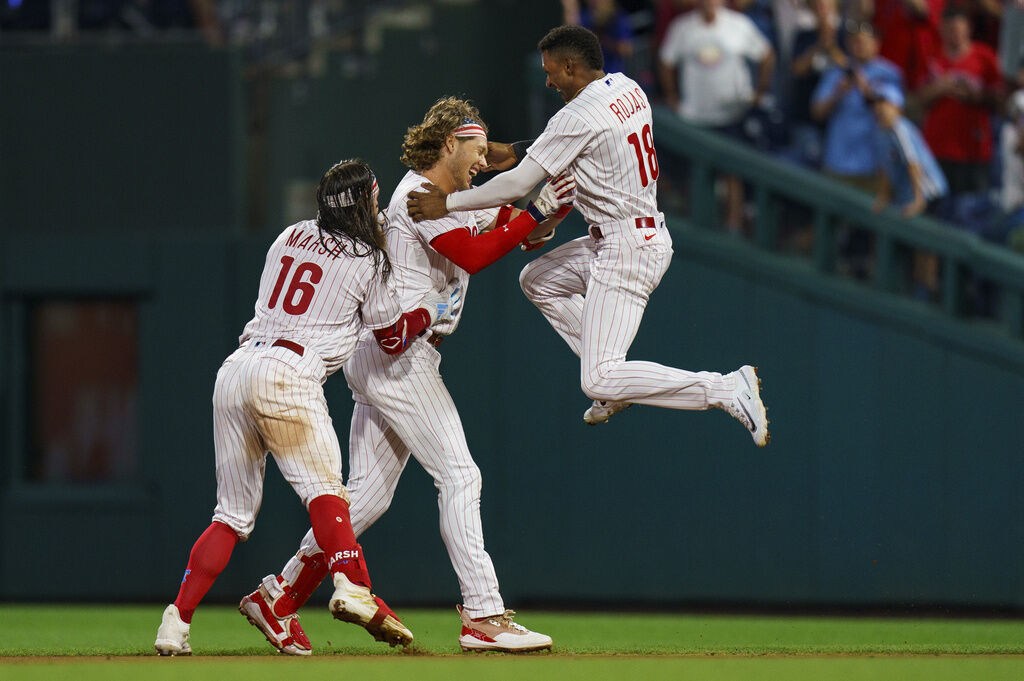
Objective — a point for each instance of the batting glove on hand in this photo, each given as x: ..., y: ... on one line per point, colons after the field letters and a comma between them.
x: 555, y: 196
x: 444, y: 306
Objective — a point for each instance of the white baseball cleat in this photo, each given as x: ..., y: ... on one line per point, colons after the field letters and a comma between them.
x: 355, y: 604
x: 601, y: 411
x: 284, y: 633
x: 500, y: 633
x: 172, y: 636
x: 746, y: 404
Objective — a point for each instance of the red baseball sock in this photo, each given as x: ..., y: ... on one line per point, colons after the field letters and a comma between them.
x: 332, y: 529
x: 210, y: 554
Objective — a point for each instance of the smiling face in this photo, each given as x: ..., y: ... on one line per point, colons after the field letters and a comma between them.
x: 559, y: 72
x: 467, y: 158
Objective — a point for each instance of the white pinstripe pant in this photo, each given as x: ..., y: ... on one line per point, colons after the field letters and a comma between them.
x: 264, y: 401
x: 594, y: 292
x: 402, y: 408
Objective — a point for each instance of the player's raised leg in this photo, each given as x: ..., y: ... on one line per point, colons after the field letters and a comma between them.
x: 611, y: 317
x: 556, y: 283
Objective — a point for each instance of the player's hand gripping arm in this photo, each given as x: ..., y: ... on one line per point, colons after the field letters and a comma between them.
x: 473, y: 253
x: 437, y: 306
x: 561, y: 190
x: 505, y: 188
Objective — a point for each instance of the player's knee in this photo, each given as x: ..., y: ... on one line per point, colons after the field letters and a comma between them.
x: 242, y: 527
x: 528, y: 281
x: 460, y: 480
x: 366, y: 514
x: 596, y: 385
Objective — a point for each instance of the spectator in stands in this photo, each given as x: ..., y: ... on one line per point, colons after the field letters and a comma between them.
x: 839, y: 100
x: 909, y: 31
x: 815, y: 49
x: 665, y: 12
x: 1010, y: 227
x: 985, y: 17
x: 612, y: 27
x: 911, y: 179
x: 705, y: 77
x: 963, y: 90
x: 761, y: 13
x: 1012, y: 147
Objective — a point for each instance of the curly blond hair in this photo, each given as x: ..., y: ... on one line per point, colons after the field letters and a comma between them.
x: 423, y: 142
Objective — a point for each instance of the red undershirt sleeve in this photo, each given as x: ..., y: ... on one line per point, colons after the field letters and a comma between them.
x: 396, y: 338
x: 473, y: 253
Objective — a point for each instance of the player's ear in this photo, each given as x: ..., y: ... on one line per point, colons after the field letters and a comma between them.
x: 449, y: 144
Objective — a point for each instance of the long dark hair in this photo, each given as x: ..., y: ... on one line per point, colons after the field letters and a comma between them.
x: 344, y: 199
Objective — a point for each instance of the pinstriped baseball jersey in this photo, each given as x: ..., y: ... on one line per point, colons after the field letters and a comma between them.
x: 320, y: 295
x: 403, y: 408
x: 419, y: 269
x: 316, y: 297
x: 604, y: 136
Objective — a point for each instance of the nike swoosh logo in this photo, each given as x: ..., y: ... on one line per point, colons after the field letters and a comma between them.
x: 753, y: 423
x: 648, y: 238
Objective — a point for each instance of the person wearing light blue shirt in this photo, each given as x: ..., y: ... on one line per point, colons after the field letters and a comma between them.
x: 840, y: 99
x: 911, y: 178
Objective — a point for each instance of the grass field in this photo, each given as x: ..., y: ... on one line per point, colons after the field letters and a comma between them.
x: 92, y: 642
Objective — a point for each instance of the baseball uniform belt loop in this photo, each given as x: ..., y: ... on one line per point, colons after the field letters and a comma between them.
x: 646, y: 223
x: 289, y: 345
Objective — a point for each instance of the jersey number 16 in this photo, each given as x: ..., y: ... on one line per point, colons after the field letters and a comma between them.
x: 648, y: 151
x: 300, y: 293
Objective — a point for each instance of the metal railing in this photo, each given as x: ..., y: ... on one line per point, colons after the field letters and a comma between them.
x: 964, y: 256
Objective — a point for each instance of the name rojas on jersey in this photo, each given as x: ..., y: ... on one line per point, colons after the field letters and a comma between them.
x: 604, y: 136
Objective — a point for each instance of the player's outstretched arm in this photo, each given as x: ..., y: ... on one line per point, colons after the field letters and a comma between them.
x: 504, y: 188
x: 473, y: 253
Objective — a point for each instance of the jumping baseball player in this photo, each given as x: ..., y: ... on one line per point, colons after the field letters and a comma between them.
x: 324, y: 281
x: 593, y: 290
x: 402, y: 404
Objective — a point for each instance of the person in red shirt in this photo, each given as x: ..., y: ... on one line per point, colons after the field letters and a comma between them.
x: 910, y: 34
x: 963, y: 90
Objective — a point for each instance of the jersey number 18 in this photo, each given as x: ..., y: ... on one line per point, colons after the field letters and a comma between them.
x: 648, y: 151
x: 300, y: 293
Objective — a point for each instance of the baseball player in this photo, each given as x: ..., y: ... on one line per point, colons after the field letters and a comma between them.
x: 593, y: 290
x: 324, y: 281
x: 402, y: 404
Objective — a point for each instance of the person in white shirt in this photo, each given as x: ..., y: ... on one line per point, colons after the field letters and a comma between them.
x: 706, y: 79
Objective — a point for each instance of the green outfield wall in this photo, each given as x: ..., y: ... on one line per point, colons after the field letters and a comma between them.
x: 893, y: 475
